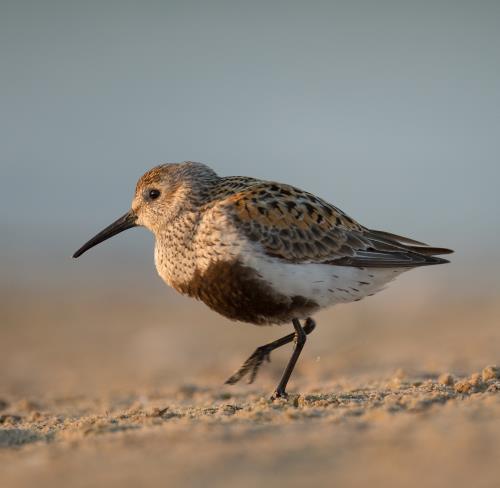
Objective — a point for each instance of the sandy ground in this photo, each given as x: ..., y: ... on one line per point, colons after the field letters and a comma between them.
x: 105, y: 390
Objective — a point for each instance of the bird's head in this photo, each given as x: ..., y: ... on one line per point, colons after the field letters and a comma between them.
x: 161, y: 195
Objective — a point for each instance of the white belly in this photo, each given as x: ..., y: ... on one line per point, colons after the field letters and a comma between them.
x: 324, y: 283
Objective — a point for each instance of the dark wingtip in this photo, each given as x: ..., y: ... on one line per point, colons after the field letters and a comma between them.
x: 441, y: 250
x: 434, y: 260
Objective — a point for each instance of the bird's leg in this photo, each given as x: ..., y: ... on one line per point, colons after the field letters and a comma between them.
x: 300, y: 338
x: 252, y: 364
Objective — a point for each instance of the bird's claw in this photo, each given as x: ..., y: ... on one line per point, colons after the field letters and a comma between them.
x: 251, y: 366
x: 279, y: 395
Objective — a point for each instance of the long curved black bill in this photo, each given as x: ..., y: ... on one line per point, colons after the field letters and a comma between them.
x: 123, y: 223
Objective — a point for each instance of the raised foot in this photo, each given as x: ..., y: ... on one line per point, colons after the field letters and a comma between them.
x: 251, y: 366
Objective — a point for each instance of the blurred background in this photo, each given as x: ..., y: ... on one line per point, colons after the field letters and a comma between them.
x: 390, y: 110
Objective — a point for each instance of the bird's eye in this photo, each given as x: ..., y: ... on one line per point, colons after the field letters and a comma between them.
x: 154, y: 194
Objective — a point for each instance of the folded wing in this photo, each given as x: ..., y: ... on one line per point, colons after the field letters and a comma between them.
x: 299, y: 227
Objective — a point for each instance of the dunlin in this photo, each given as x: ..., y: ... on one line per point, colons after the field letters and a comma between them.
x: 261, y: 252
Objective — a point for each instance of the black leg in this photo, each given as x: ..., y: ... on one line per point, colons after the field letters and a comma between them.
x: 252, y: 364
x: 300, y: 340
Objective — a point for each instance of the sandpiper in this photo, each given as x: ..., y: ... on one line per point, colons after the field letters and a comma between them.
x: 261, y: 252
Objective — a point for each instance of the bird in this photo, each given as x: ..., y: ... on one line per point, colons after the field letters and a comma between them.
x: 261, y: 252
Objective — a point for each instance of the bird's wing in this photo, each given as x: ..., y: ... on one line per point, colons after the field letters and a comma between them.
x: 299, y: 227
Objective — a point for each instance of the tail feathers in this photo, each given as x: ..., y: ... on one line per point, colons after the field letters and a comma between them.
x: 388, y: 259
x: 435, y: 260
x: 392, y: 250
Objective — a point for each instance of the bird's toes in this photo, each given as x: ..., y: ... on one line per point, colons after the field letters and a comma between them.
x: 255, y: 370
x: 251, y: 365
x: 233, y: 379
x: 245, y: 368
x: 279, y: 395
